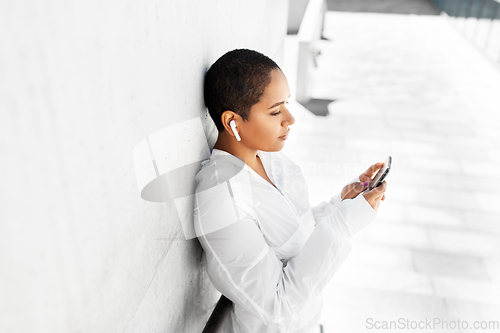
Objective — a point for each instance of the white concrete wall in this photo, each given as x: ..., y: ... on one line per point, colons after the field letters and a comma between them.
x: 82, y: 83
x: 296, y: 10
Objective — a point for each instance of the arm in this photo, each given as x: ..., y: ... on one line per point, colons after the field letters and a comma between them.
x: 327, y: 208
x: 245, y: 269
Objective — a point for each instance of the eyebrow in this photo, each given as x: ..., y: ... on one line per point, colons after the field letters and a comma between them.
x: 278, y: 104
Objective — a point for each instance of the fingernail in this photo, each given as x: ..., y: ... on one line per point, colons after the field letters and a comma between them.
x: 365, y: 184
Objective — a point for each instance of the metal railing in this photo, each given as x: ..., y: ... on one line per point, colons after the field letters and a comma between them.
x: 478, y: 21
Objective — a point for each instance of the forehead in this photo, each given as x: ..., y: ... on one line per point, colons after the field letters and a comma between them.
x: 276, y: 91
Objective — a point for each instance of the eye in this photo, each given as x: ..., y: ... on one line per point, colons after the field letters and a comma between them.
x: 276, y: 113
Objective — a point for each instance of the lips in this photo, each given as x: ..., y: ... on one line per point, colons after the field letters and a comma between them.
x: 285, y: 136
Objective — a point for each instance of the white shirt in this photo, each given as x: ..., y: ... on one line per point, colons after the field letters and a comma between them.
x: 266, y: 249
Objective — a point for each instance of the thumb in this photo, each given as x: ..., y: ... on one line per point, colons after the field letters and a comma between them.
x: 352, y: 190
x: 376, y: 192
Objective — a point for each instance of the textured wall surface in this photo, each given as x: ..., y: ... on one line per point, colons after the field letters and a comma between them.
x: 81, y: 84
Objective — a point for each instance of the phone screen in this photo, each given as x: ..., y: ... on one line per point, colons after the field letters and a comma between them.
x: 381, y: 174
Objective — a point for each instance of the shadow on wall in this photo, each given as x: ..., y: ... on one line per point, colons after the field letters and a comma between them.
x: 417, y: 7
x: 167, y: 161
x: 318, y: 106
x: 480, y: 9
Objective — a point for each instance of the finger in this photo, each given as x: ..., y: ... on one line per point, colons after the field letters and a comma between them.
x: 353, y: 189
x: 377, y: 191
x: 359, y: 187
x: 373, y: 197
x: 382, y: 187
x: 368, y: 174
x: 374, y: 202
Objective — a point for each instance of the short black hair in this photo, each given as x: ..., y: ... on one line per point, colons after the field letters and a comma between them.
x: 236, y: 82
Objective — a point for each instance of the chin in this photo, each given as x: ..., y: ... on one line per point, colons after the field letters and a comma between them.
x: 277, y: 147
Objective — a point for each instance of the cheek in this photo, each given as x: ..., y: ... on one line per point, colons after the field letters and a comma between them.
x: 265, y: 128
x: 270, y: 128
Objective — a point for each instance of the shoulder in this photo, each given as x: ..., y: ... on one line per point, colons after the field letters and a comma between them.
x: 217, y: 170
x: 223, y: 194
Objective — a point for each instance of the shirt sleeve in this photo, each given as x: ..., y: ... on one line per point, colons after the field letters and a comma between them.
x: 327, y: 208
x: 243, y: 267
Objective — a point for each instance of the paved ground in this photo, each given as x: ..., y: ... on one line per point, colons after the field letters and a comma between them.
x: 410, y: 87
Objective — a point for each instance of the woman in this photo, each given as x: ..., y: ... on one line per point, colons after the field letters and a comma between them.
x: 267, y: 250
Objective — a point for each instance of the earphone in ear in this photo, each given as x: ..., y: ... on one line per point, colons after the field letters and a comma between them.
x: 232, y: 123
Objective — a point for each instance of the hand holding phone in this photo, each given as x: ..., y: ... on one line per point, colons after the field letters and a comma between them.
x: 381, y: 174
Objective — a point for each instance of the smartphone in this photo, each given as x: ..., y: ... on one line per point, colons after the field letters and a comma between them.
x: 381, y: 174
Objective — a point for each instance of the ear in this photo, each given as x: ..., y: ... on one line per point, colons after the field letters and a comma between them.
x: 226, y: 118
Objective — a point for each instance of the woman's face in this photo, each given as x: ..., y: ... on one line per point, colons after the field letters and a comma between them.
x: 267, y: 126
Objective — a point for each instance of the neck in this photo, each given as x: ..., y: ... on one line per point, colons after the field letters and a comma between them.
x: 229, y: 144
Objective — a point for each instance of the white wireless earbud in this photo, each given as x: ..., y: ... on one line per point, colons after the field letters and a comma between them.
x: 232, y: 123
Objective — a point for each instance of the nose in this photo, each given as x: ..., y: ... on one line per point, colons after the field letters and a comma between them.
x: 289, y: 120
